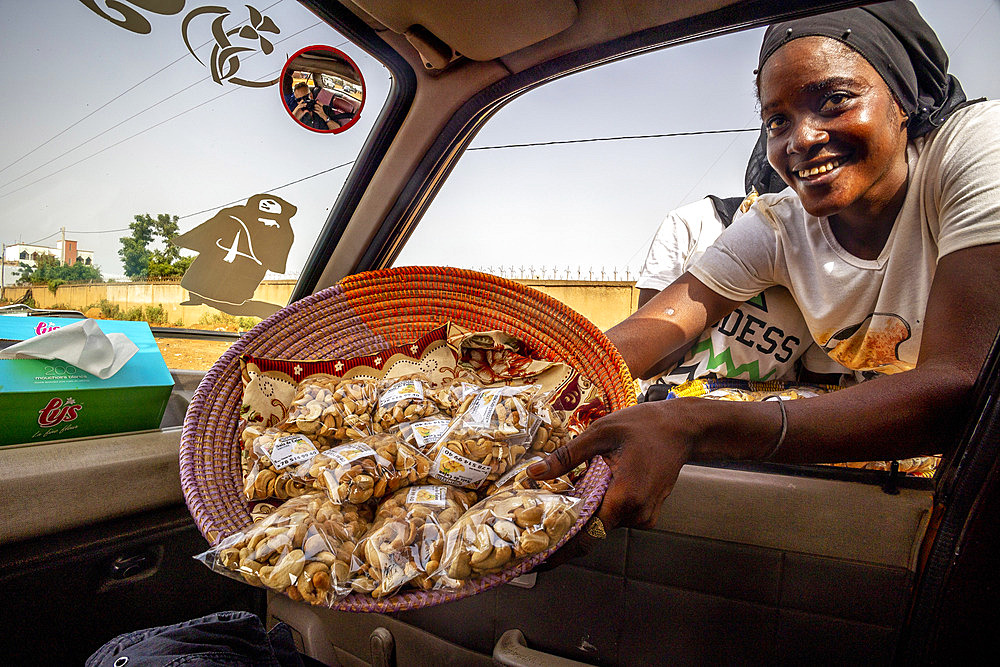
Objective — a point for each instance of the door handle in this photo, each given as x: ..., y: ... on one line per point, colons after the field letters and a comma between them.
x: 512, y: 650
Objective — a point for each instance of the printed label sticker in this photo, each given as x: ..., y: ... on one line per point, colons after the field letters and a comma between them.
x: 345, y: 454
x: 483, y: 406
x: 289, y: 450
x: 401, y: 391
x: 431, y: 494
x: 453, y: 469
x: 428, y: 432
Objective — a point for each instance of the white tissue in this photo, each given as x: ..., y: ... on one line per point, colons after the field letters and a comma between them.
x: 81, y: 344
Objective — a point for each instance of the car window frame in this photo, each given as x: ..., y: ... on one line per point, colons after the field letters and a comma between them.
x: 458, y: 133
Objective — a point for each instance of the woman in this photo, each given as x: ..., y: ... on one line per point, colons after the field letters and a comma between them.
x: 889, y: 240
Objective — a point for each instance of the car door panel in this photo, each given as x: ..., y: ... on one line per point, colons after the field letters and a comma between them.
x: 66, y: 484
x: 725, y: 586
x: 67, y: 594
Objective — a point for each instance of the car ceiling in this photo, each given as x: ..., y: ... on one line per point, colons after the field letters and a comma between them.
x: 483, y: 30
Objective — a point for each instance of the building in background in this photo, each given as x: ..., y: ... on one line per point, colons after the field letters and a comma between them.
x: 16, y: 253
x: 65, y: 251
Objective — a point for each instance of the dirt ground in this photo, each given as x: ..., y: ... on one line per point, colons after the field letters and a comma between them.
x: 187, y: 354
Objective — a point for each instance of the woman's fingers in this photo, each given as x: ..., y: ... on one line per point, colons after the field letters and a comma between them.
x: 582, y: 448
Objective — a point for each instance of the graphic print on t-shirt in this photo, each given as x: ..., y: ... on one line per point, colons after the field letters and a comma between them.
x: 754, y: 342
x: 872, y: 344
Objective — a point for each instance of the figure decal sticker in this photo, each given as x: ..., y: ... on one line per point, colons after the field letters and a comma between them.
x: 236, y: 247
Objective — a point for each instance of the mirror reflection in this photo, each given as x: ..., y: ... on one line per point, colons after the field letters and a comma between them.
x: 323, y: 89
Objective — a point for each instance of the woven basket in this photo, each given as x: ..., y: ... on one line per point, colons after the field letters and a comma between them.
x: 361, y: 315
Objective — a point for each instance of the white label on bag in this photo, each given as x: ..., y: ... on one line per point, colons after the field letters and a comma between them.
x: 428, y: 432
x: 483, y: 406
x: 289, y: 450
x: 431, y: 494
x: 400, y: 392
x: 457, y: 470
x: 345, y: 454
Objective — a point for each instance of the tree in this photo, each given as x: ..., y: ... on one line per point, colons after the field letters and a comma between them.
x: 52, y: 272
x: 140, y: 261
x: 158, y: 268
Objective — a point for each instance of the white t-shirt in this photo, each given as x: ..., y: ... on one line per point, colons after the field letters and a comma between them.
x: 869, y: 314
x: 760, y: 340
x: 681, y: 239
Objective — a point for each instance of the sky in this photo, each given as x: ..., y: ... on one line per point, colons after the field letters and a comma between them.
x: 72, y: 156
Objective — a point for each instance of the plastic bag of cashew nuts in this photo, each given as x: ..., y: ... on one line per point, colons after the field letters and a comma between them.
x: 368, y: 469
x: 453, y: 396
x: 303, y: 549
x: 488, y: 438
x: 553, y: 432
x: 406, y: 540
x: 330, y: 410
x: 502, y: 530
x: 517, y: 478
x: 403, y: 399
x: 277, y: 455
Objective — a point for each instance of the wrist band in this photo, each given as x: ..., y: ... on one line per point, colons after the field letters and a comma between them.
x: 781, y: 435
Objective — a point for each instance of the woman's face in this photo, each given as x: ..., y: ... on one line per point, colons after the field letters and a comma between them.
x: 835, y: 132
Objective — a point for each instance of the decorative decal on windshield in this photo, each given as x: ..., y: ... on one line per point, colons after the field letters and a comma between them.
x: 243, y: 36
x: 236, y: 247
x: 225, y: 58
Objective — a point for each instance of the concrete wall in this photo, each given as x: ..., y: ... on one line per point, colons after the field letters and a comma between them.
x: 604, y: 303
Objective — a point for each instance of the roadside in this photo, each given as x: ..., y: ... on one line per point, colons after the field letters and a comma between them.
x: 189, y: 354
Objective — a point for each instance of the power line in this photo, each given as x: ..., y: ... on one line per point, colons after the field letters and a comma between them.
x: 618, y: 138
x: 236, y: 201
x: 116, y: 125
x: 116, y: 97
x: 971, y: 28
x: 483, y: 148
x: 117, y: 143
x: 42, y: 239
x: 345, y: 164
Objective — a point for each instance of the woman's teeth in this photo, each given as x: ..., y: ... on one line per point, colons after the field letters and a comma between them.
x: 822, y: 169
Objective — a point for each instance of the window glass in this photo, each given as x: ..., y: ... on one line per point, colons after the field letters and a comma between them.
x: 592, y: 207
x: 114, y: 111
x: 571, y: 181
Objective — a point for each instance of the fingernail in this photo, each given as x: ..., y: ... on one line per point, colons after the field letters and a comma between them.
x: 539, y: 468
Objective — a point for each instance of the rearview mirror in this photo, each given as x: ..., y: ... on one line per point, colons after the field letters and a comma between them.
x: 322, y: 89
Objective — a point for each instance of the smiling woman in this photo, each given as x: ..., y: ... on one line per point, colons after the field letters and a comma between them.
x: 888, y: 240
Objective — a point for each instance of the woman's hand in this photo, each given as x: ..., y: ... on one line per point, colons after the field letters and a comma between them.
x: 645, y: 448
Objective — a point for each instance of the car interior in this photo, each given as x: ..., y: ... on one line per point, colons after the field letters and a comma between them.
x: 748, y: 563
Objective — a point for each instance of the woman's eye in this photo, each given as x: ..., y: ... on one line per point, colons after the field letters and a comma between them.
x: 833, y: 101
x: 775, y: 123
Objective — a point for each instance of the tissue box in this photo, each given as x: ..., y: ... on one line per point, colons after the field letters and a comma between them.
x: 51, y: 400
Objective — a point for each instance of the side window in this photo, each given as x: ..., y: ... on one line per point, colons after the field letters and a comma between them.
x: 567, y: 188
x: 137, y: 126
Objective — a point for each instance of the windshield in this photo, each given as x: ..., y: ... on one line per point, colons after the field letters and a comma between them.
x: 130, y: 123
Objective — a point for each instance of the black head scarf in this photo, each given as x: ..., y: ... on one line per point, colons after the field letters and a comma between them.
x: 760, y: 175
x: 898, y: 43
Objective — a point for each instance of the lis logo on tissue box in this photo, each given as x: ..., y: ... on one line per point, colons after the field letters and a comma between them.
x: 45, y: 327
x: 57, y: 412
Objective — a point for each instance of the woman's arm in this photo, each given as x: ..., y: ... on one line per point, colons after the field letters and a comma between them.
x: 897, y: 416
x: 660, y: 331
